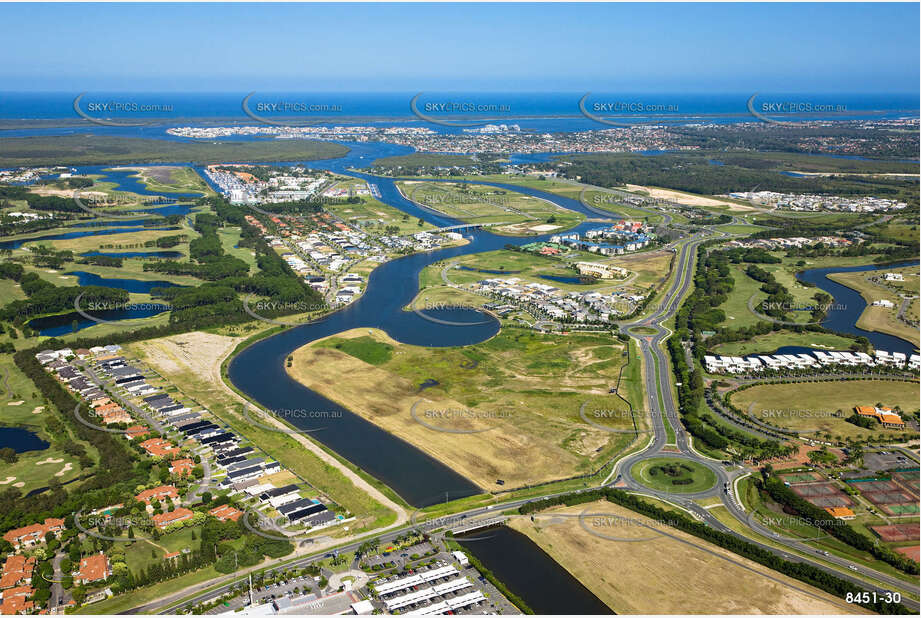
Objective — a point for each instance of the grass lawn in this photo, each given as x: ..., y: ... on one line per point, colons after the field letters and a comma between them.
x: 639, y: 577
x: 134, y: 239
x: 488, y: 407
x: 647, y: 268
x: 363, y: 348
x: 229, y: 237
x: 766, y: 344
x: 674, y: 474
x: 142, y: 553
x: 21, y: 405
x: 736, y: 306
x: 812, y: 406
x: 172, y: 179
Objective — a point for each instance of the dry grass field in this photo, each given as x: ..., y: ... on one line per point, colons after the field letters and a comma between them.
x: 487, y: 409
x: 676, y: 574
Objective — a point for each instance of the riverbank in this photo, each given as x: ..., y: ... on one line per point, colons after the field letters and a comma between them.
x: 485, y: 408
x: 602, y: 545
x: 883, y: 319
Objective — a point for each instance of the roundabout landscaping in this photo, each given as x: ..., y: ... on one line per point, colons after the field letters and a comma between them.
x: 673, y: 475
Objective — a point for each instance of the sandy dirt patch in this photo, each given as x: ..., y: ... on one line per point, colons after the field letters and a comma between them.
x: 196, y: 352
x: 639, y: 577
x: 48, y: 461
x: 67, y: 468
x: 688, y: 198
x: 202, y: 354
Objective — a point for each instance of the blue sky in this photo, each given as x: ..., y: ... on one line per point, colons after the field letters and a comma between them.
x: 405, y: 47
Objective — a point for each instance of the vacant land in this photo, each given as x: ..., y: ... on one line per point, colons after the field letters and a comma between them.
x: 171, y: 179
x: 486, y: 408
x: 474, y: 203
x: 884, y: 319
x: 813, y: 406
x: 373, y: 216
x: 689, y: 199
x: 672, y: 573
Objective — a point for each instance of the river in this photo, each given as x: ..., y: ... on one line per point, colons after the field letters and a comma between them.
x: 849, y: 305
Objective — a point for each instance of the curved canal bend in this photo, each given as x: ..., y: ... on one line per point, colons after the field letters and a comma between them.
x: 258, y: 371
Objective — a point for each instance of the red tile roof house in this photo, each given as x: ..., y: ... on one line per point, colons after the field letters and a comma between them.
x: 30, y: 536
x: 225, y: 512
x: 181, y: 467
x: 16, y: 600
x: 136, y: 431
x: 166, y: 519
x: 17, y: 570
x: 93, y: 569
x: 158, y: 493
x: 158, y: 447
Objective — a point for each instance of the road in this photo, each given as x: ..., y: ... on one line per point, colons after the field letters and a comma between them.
x: 661, y: 409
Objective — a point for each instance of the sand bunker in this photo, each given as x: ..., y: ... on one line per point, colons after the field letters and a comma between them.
x: 38, y: 410
x: 8, y: 480
x: 48, y: 461
x: 67, y: 468
x: 16, y: 403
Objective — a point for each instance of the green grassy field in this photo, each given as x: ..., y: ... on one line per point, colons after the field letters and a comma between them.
x: 765, y: 344
x: 22, y: 406
x: 673, y: 475
x: 736, y: 306
x: 172, y: 179
x: 372, y: 215
x: 812, y: 406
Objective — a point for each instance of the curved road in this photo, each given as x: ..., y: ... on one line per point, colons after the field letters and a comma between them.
x: 661, y: 410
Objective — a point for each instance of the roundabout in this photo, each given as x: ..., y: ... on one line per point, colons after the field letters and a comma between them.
x: 674, y: 475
